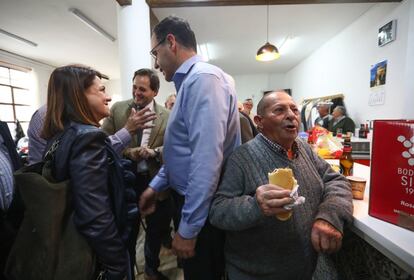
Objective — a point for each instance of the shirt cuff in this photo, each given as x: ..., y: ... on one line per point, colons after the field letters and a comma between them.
x: 124, y: 136
x: 158, y: 183
x: 188, y: 231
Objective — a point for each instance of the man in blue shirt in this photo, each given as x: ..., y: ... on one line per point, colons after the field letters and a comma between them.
x: 202, y: 131
x: 11, y: 210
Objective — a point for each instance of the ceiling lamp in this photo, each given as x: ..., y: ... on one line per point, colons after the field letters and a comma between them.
x: 267, y: 52
x: 14, y: 36
x: 91, y: 24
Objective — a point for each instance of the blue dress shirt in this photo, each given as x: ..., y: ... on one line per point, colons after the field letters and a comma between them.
x: 202, y: 131
x: 6, y: 177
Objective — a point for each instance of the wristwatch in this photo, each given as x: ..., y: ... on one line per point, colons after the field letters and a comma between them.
x: 157, y: 153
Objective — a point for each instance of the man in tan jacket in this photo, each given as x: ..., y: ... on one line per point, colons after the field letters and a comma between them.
x: 145, y: 150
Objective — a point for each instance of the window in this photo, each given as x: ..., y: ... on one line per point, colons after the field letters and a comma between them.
x: 15, y: 97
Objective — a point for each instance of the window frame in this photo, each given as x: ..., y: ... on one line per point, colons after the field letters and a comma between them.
x: 12, y: 90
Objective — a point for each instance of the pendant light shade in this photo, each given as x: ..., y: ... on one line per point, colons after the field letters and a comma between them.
x: 267, y: 52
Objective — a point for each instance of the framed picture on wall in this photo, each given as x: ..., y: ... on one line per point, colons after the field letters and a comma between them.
x: 386, y: 33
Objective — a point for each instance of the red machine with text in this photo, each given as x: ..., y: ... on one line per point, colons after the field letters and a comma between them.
x: 392, y: 172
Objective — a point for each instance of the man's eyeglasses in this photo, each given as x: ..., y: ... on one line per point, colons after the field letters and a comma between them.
x: 153, y: 52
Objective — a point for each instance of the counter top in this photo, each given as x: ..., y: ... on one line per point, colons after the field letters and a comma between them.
x: 356, y: 139
x: 394, y: 242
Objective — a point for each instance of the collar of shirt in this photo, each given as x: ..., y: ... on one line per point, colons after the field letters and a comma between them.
x: 150, y: 105
x: 147, y: 132
x: 183, y: 70
x: 279, y: 149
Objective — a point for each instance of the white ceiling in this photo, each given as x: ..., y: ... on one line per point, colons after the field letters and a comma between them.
x: 61, y: 37
x: 233, y: 34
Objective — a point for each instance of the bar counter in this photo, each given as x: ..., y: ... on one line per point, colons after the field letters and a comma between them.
x: 394, y: 242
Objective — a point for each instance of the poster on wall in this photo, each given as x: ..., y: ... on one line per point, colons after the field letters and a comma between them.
x: 378, y: 74
x: 377, y: 83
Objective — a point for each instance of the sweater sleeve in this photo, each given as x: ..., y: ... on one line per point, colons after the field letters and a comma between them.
x: 336, y: 205
x: 232, y: 209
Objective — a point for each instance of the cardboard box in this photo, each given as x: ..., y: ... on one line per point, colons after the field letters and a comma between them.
x: 392, y: 172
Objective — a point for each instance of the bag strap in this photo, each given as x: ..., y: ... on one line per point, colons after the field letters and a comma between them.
x: 50, y: 154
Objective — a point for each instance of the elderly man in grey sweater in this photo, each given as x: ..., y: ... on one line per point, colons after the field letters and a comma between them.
x: 258, y: 245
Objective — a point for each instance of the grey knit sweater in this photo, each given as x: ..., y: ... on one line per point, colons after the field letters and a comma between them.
x: 260, y: 247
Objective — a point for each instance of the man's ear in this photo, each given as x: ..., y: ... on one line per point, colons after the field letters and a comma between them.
x: 171, y: 41
x: 258, y: 121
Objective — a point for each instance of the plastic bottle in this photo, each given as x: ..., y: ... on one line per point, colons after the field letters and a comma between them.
x: 346, y: 161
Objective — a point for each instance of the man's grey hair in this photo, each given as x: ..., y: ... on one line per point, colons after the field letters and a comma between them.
x: 169, y: 96
x: 341, y: 109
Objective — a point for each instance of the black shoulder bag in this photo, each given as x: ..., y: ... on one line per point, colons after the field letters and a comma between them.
x: 48, y: 245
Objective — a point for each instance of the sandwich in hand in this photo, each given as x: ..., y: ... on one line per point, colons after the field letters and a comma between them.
x: 283, y: 177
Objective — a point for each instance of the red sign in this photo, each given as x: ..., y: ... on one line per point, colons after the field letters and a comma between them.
x: 392, y: 172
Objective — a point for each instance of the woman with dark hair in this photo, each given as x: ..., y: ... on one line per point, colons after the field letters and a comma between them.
x: 76, y: 102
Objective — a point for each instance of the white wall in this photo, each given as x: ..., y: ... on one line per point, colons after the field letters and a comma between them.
x: 342, y: 65
x: 113, y: 89
x: 278, y: 81
x: 409, y: 70
x: 253, y: 86
x: 166, y: 88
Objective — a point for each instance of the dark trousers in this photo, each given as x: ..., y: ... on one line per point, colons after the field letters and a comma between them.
x: 208, y: 262
x: 141, y: 182
x: 158, y: 226
x: 132, y: 243
x: 9, y: 227
x: 7, y: 235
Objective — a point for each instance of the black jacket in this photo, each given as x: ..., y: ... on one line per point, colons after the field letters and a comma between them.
x: 82, y: 157
x: 346, y: 124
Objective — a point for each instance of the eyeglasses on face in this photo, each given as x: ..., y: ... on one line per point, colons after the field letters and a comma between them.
x: 153, y: 52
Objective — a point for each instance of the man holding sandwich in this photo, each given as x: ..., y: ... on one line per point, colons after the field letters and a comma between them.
x: 264, y: 240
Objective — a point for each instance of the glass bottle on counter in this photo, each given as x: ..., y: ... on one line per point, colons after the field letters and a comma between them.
x: 362, y: 131
x: 346, y: 161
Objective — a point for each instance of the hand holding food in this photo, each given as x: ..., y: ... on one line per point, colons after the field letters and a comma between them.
x: 283, y: 177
